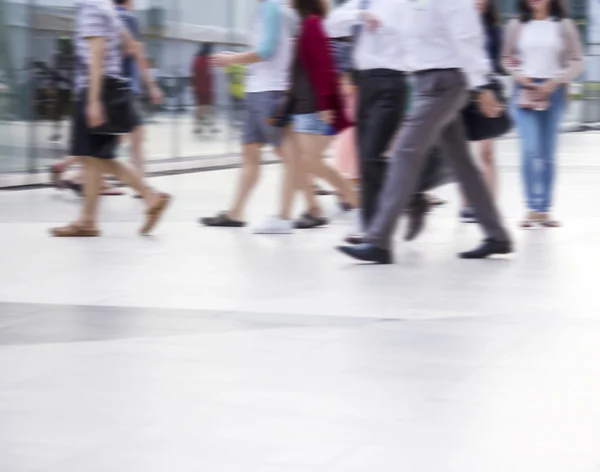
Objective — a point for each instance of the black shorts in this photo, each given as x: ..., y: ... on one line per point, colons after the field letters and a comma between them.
x: 86, y: 144
x: 102, y: 146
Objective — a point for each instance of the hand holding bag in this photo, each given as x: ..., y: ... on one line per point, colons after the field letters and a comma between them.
x: 480, y: 127
x: 117, y: 101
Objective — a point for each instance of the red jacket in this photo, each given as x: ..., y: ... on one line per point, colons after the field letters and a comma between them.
x: 203, y: 81
x: 314, y: 53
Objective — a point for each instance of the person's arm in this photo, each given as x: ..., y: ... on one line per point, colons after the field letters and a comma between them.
x: 272, y: 22
x: 468, y: 37
x: 154, y: 90
x: 316, y: 59
x: 574, y: 67
x: 496, y: 49
x: 95, y: 113
x: 466, y: 30
x: 134, y: 47
x: 574, y: 51
x: 509, y: 57
x: 96, y: 25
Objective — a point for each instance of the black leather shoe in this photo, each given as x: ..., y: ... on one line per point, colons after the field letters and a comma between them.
x: 489, y: 247
x: 367, y: 253
x: 417, y: 213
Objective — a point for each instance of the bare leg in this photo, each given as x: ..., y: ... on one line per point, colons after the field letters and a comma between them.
x: 288, y: 189
x: 92, y: 185
x: 248, y: 180
x: 137, y: 150
x: 488, y: 164
x: 486, y: 156
x: 129, y: 177
x: 303, y: 181
x: 312, y: 147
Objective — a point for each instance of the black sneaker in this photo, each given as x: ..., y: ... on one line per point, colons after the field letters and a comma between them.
x: 368, y: 253
x: 308, y: 221
x: 489, y: 247
x: 222, y: 220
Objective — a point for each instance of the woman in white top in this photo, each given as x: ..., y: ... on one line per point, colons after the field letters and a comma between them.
x: 543, y: 51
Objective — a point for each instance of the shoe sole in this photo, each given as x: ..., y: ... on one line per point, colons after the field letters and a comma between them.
x: 321, y: 224
x: 228, y: 225
x: 489, y: 256
x: 344, y: 251
x: 271, y: 232
x: 80, y: 235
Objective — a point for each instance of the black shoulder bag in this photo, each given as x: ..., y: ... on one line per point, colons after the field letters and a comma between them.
x: 117, y: 101
x: 478, y: 126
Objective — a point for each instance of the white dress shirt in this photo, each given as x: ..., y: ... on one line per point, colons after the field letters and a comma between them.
x: 447, y: 34
x: 383, y: 48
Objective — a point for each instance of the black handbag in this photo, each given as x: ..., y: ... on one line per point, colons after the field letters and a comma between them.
x: 117, y: 101
x: 478, y: 126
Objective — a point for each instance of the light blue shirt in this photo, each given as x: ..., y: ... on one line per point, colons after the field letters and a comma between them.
x: 271, y: 39
x: 270, y: 14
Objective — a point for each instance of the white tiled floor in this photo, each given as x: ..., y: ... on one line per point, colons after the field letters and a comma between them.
x: 216, y: 350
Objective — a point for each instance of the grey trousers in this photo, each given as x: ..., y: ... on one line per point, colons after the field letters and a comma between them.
x: 434, y: 119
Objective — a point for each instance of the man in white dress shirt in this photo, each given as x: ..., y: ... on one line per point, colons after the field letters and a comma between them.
x: 380, y: 65
x: 447, y: 55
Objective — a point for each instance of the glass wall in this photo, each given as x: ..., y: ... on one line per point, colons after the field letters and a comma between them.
x: 199, y: 119
x: 197, y: 125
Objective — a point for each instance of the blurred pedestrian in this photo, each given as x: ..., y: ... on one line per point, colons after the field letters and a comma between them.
x: 490, y: 17
x: 202, y: 83
x: 267, y: 81
x: 445, y: 41
x: 131, y: 71
x: 543, y: 51
x: 380, y: 65
x: 317, y: 112
x: 99, y: 45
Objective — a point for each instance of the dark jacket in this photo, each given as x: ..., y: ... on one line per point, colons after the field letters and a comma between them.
x: 493, y: 44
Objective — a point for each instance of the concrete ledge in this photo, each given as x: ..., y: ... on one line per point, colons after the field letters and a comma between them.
x: 24, y: 180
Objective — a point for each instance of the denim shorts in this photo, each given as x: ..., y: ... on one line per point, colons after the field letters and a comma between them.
x: 260, y: 107
x: 311, y: 123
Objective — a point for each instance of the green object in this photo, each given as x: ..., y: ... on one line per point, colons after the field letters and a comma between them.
x: 237, y: 74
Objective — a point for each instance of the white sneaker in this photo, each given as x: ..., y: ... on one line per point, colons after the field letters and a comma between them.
x: 274, y: 225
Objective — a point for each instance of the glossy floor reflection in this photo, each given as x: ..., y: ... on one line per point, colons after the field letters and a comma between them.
x: 222, y: 351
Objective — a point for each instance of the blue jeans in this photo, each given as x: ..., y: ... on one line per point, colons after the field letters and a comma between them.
x: 538, y: 133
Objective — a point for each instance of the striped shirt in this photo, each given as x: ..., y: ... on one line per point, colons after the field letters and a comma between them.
x: 97, y: 18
